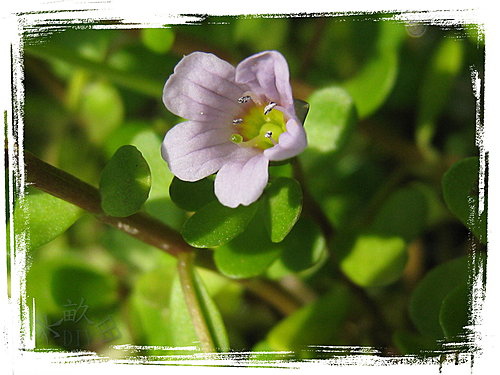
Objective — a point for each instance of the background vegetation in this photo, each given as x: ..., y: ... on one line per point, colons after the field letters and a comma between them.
x: 389, y: 185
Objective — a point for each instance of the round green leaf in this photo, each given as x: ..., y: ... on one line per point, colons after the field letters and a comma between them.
x: 372, y: 85
x: 317, y: 323
x: 125, y: 182
x: 42, y: 217
x: 191, y: 196
x: 282, y: 206
x: 303, y: 248
x: 454, y: 313
x: 57, y: 281
x: 428, y: 296
x: 461, y: 194
x: 404, y: 214
x: 374, y: 260
x: 214, y: 224
x: 331, y: 119
x: 158, y: 40
x: 249, y: 254
x: 101, y: 110
x: 444, y: 66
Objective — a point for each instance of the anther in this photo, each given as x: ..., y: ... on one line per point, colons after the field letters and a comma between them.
x: 269, y: 135
x: 237, y: 121
x: 268, y: 108
x: 244, y: 99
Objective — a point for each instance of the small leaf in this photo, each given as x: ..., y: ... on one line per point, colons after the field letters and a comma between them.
x: 125, y: 182
x: 372, y: 85
x: 454, y: 313
x: 301, y: 109
x: 428, y: 296
x: 282, y: 205
x: 214, y: 224
x: 303, y: 248
x: 378, y: 255
x: 191, y: 196
x: 181, y: 327
x: 444, y: 66
x: 249, y: 254
x: 248, y: 31
x: 461, y: 194
x: 43, y: 217
x: 330, y: 120
x: 374, y: 260
x: 413, y: 343
x: 404, y: 214
x: 102, y: 110
x: 317, y: 323
x: 54, y: 281
x: 158, y: 40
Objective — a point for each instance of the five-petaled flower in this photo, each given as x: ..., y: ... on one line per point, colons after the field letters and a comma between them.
x: 239, y: 119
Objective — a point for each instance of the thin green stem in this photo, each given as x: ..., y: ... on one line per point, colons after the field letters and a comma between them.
x: 191, y: 296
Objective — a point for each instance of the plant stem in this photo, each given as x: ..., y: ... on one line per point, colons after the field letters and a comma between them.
x: 65, y: 186
x: 142, y: 226
x: 191, y: 296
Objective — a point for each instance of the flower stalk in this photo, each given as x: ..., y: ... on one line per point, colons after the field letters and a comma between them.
x: 191, y: 297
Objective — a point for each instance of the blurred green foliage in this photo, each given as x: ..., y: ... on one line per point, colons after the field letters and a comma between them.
x: 390, y: 112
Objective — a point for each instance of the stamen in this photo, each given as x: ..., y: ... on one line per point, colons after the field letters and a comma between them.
x: 237, y: 121
x: 269, y: 135
x: 244, y: 99
x: 268, y: 108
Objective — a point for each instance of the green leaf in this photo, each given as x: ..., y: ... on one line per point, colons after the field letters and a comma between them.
x: 412, y: 343
x: 52, y: 282
x: 427, y: 298
x: 331, y: 119
x: 303, y: 248
x: 125, y: 182
x: 249, y: 254
x: 42, y: 217
x: 301, y: 109
x: 374, y: 260
x: 378, y: 255
x: 249, y: 31
x: 404, y: 214
x: 141, y: 84
x: 214, y: 224
x: 101, y: 110
x: 317, y: 323
x: 282, y: 205
x: 372, y: 85
x: 191, y: 196
x: 454, y: 313
x: 79, y: 282
x: 149, y: 303
x: 158, y: 40
x: 181, y: 326
x: 461, y: 194
x: 444, y: 66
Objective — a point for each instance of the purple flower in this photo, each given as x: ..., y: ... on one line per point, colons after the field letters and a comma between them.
x: 239, y: 119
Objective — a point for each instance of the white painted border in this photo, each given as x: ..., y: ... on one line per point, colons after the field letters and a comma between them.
x: 151, y: 13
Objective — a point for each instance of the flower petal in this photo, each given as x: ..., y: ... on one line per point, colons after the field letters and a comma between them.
x: 266, y: 74
x: 243, y: 179
x: 290, y: 143
x: 194, y: 150
x: 202, y: 88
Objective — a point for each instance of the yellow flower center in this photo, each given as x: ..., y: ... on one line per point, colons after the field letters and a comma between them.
x: 259, y: 127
